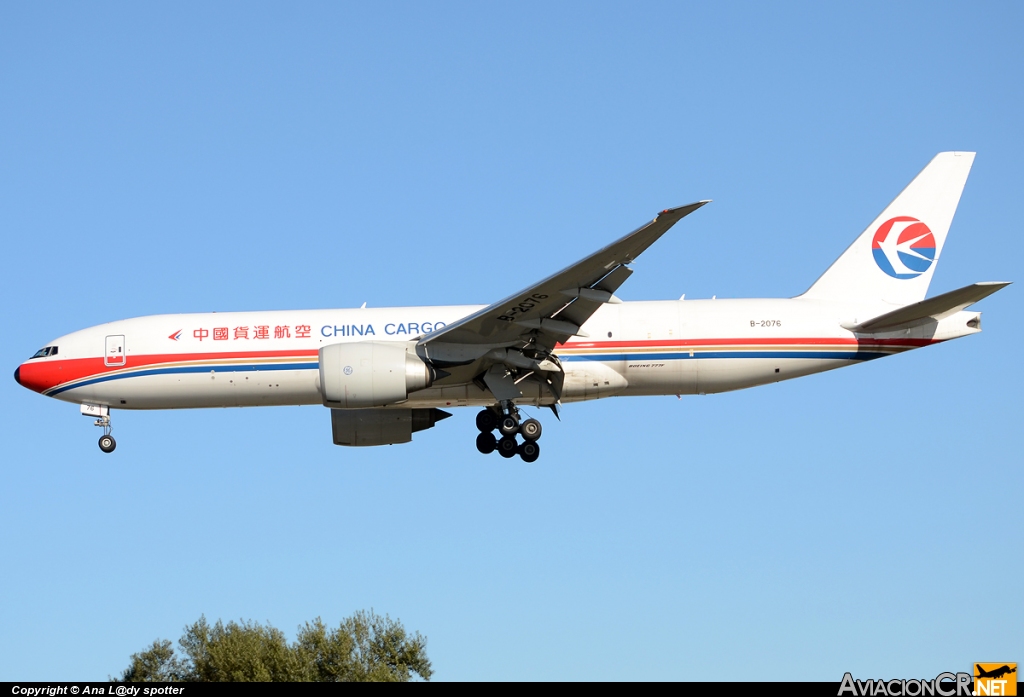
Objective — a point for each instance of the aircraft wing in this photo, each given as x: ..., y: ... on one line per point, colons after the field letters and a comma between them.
x: 538, y: 317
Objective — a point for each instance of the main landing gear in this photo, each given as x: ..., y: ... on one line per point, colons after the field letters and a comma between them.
x: 507, y: 423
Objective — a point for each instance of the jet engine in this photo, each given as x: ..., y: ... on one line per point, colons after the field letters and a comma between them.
x: 381, y: 426
x: 363, y: 374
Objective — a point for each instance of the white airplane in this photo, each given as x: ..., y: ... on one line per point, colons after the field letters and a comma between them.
x: 387, y: 373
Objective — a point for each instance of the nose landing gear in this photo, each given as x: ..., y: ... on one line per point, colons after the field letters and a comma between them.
x: 507, y: 423
x: 107, y: 442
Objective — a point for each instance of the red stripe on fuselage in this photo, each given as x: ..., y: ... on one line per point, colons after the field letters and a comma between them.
x: 44, y: 375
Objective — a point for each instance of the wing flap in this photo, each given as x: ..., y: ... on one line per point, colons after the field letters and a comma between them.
x: 584, y: 305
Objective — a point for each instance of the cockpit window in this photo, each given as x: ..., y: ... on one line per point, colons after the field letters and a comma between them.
x: 44, y: 352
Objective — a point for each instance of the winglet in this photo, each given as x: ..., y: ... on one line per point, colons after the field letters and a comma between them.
x: 688, y: 208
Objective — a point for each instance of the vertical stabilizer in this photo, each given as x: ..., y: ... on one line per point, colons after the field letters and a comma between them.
x: 894, y: 259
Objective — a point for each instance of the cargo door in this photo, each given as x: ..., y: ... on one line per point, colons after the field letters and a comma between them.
x: 114, y: 354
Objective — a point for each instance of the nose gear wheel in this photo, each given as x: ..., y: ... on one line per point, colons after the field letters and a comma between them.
x: 107, y: 442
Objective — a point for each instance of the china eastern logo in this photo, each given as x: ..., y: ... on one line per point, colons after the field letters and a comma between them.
x: 903, y: 247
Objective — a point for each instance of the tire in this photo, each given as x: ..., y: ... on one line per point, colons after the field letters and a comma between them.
x: 107, y: 444
x: 507, y: 446
x: 529, y: 451
x: 486, y: 443
x: 531, y: 429
x: 486, y: 421
x: 509, y: 426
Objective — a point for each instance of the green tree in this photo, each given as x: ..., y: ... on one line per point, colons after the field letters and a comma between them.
x: 363, y: 648
x: 156, y: 664
x: 239, y: 652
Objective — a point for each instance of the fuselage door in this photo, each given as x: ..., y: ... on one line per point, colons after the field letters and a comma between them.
x: 114, y: 354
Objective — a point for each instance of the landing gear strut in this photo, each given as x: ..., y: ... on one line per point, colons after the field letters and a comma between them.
x: 507, y: 422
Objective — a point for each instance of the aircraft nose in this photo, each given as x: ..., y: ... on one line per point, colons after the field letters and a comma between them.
x: 38, y: 376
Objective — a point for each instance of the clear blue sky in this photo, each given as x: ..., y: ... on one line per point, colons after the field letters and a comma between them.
x: 180, y: 157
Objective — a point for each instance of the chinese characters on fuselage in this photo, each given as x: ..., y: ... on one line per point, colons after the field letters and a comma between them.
x: 255, y: 332
x: 260, y: 332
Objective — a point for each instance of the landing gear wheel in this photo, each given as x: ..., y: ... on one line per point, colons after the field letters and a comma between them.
x: 530, y: 429
x: 507, y: 446
x: 529, y: 451
x: 486, y: 421
x: 486, y: 443
x: 509, y: 425
x: 107, y: 443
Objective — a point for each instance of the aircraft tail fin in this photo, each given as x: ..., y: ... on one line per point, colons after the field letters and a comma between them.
x: 893, y: 260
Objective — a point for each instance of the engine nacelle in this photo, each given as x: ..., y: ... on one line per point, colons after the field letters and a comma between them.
x: 381, y: 426
x: 371, y: 374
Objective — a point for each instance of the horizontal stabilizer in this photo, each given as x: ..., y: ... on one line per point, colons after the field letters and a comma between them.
x: 933, y: 308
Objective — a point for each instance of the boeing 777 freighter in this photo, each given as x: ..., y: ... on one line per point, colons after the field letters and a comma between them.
x: 387, y: 373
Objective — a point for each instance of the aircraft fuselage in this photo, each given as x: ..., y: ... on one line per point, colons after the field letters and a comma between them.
x: 633, y: 348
